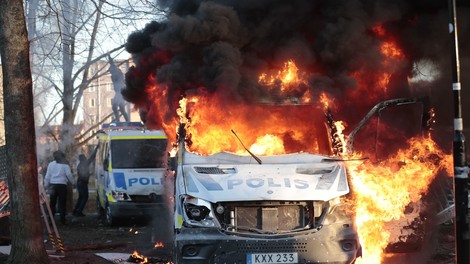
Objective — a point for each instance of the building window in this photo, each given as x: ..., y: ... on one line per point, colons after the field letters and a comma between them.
x: 92, y: 88
x: 92, y: 102
x: 92, y: 119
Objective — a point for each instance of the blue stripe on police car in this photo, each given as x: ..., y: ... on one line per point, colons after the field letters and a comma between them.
x: 121, y: 181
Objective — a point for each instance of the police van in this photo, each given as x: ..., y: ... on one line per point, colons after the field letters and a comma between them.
x: 130, y: 169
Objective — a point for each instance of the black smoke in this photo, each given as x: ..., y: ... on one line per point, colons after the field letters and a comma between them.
x: 222, y: 46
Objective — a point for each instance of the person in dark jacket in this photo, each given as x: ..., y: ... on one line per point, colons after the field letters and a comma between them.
x: 83, y: 173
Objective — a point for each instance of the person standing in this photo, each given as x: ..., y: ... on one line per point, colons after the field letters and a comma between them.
x: 57, y: 176
x: 119, y: 83
x: 83, y: 173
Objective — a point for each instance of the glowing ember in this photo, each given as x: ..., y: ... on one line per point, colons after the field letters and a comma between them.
x: 138, y: 257
x: 391, y: 50
x: 133, y: 231
x: 382, y: 191
x: 159, y: 245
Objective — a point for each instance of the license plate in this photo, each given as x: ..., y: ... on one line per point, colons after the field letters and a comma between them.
x: 271, y: 258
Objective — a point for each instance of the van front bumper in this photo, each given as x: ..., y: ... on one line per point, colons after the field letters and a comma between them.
x: 330, y: 244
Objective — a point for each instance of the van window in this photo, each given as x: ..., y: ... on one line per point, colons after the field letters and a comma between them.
x: 138, y: 153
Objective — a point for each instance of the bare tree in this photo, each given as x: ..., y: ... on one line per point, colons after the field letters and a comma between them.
x: 69, y: 37
x: 26, y: 227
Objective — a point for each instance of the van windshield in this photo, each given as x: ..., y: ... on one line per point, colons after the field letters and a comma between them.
x: 138, y: 153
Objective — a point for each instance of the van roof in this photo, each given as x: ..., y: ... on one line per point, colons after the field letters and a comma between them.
x: 132, y: 133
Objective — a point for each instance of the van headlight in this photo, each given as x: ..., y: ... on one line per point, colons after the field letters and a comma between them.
x: 120, y: 196
x: 197, y: 212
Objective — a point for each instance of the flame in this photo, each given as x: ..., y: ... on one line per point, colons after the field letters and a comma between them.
x: 287, y: 78
x: 142, y: 259
x: 268, y: 145
x: 379, y: 30
x: 262, y: 128
x: 159, y: 245
x: 289, y: 82
x: 326, y: 101
x: 339, y: 137
x: 383, y: 190
x: 391, y: 50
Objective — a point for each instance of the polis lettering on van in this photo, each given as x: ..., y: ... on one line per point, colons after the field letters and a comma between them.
x: 121, y: 181
x: 269, y: 182
x: 143, y: 181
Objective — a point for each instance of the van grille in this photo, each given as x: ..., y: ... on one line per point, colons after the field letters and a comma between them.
x: 209, y: 170
x: 270, y: 217
x: 273, y: 219
x: 271, y: 246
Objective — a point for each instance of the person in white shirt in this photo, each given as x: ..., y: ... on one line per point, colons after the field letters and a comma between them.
x: 57, y: 176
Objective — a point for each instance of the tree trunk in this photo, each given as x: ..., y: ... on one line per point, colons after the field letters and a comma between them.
x: 26, y: 225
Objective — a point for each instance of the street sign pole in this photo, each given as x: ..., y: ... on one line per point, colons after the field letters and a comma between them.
x: 460, y: 164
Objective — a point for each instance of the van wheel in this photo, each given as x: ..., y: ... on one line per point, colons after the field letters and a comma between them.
x: 109, y: 219
x: 99, y: 209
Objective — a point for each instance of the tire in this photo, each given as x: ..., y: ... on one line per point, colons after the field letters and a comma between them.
x: 109, y: 219
x: 99, y: 208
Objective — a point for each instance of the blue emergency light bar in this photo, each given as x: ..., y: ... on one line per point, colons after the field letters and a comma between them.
x: 121, y: 125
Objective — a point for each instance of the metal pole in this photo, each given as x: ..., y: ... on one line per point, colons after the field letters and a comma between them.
x: 460, y: 164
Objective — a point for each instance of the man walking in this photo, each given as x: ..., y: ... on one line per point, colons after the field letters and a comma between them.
x: 57, y: 176
x: 83, y: 172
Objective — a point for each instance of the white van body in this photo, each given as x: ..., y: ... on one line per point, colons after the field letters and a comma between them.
x: 130, y: 168
x: 230, y: 209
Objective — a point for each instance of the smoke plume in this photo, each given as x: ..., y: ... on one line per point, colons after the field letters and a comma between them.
x: 221, y: 47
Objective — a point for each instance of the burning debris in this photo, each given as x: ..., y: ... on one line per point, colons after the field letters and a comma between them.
x: 135, y: 257
x: 336, y: 133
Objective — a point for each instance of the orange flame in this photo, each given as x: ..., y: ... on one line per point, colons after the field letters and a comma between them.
x: 289, y: 82
x: 268, y: 145
x: 340, y: 137
x: 266, y: 127
x: 159, y: 245
x: 326, y: 101
x: 383, y: 190
x: 288, y: 77
x: 391, y: 50
x: 139, y: 257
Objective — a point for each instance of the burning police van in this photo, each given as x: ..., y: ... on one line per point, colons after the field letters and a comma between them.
x: 269, y: 209
x: 286, y: 208
x: 130, y: 168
